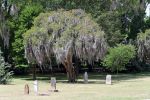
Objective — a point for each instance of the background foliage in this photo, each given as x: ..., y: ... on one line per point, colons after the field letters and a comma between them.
x: 121, y: 21
x: 5, y: 74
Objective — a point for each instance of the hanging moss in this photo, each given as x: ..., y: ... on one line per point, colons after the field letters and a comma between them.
x: 66, y: 29
x: 143, y: 41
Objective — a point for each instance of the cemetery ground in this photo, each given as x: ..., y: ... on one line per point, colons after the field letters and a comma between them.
x: 124, y: 87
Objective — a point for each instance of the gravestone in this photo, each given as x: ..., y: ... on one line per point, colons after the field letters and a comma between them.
x: 35, y: 84
x: 85, y: 78
x: 53, y: 84
x: 26, y: 89
x: 108, y: 79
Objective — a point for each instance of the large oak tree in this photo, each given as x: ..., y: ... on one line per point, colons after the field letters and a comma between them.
x: 65, y: 35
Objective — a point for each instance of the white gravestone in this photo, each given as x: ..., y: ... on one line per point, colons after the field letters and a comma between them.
x: 53, y: 83
x: 108, y: 79
x: 35, y: 84
x: 85, y: 77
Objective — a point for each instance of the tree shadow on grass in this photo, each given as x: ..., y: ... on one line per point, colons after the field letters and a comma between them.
x: 7, y: 84
x: 129, y: 77
x: 62, y: 78
x: 40, y: 77
x: 94, y: 78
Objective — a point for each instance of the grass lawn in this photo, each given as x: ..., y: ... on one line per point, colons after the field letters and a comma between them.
x: 125, y: 87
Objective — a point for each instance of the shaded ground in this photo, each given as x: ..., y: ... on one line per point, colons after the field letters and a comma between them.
x: 125, y: 87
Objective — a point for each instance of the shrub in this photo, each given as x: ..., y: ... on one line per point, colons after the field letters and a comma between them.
x: 5, y: 74
x: 118, y: 57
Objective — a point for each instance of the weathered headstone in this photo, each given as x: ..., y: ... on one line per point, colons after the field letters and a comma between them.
x: 35, y: 84
x: 26, y: 89
x: 108, y: 79
x: 53, y: 84
x: 85, y: 78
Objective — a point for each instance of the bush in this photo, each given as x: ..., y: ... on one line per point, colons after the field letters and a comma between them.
x: 119, y: 56
x: 5, y: 74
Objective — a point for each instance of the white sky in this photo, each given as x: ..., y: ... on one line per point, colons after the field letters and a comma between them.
x: 148, y: 10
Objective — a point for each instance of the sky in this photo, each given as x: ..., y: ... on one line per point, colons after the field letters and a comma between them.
x: 148, y: 10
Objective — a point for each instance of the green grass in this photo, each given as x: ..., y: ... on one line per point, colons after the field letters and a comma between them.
x: 125, y: 87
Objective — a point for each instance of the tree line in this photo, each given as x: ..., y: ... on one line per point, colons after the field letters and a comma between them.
x: 120, y: 25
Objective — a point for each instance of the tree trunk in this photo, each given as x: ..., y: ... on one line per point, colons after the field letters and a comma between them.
x: 90, y: 68
x: 34, y: 72
x: 71, y: 73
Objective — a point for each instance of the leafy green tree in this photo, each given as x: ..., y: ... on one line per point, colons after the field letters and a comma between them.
x: 119, y: 56
x: 120, y: 19
x: 111, y: 24
x: 20, y: 26
x: 147, y: 23
x: 67, y: 36
x: 5, y: 13
x: 5, y: 74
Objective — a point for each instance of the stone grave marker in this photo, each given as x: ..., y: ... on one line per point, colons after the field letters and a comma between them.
x: 85, y: 78
x: 35, y: 84
x: 26, y: 89
x: 53, y: 84
x: 108, y: 79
